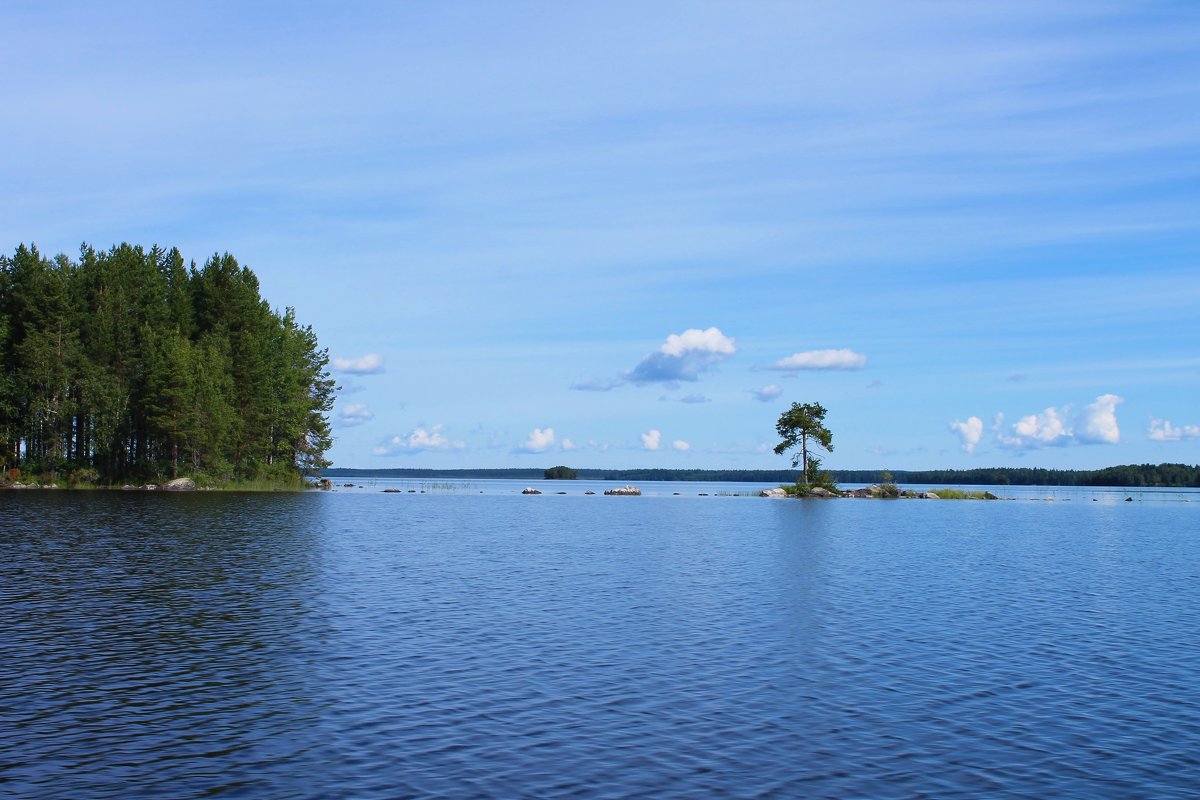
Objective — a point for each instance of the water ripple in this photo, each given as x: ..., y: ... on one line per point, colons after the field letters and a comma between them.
x: 358, y: 645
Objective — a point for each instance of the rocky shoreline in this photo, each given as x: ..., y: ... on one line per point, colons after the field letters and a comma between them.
x: 176, y: 485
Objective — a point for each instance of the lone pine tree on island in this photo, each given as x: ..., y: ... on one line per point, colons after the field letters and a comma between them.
x: 804, y: 425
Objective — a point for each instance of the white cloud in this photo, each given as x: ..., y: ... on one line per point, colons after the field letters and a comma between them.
x: 680, y: 445
x: 354, y: 414
x: 540, y: 440
x: 821, y: 359
x: 418, y: 440
x: 709, y: 340
x: 682, y: 357
x: 1046, y: 429
x: 767, y: 393
x: 567, y: 444
x: 1161, y: 430
x: 370, y: 364
x: 1095, y: 423
x: 970, y: 432
x: 651, y: 440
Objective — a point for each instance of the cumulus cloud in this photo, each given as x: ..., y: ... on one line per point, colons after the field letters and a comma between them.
x: 821, y: 359
x: 567, y: 444
x: 1161, y: 430
x: 416, y: 441
x: 767, y: 393
x: 651, y: 440
x: 354, y: 414
x: 539, y: 441
x: 1095, y: 423
x: 370, y: 364
x: 969, y: 432
x: 1047, y: 429
x: 682, y: 357
x: 680, y: 445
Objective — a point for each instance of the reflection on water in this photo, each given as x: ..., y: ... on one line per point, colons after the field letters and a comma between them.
x: 373, y: 645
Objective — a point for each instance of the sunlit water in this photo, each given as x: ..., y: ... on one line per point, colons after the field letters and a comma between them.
x: 458, y: 644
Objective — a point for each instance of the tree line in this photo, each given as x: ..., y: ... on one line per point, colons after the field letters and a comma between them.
x: 1130, y: 475
x: 130, y: 364
x: 1126, y: 475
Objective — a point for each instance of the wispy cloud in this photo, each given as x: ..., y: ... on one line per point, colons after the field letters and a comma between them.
x: 651, y: 439
x: 1095, y: 423
x: 682, y: 357
x: 596, y: 385
x: 969, y: 432
x: 416, y: 441
x: 354, y: 414
x: 691, y: 399
x: 540, y: 440
x: 766, y: 393
x: 821, y: 359
x: 370, y: 364
x: 1162, y: 430
x: 681, y: 446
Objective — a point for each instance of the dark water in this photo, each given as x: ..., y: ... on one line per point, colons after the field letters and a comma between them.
x: 375, y: 645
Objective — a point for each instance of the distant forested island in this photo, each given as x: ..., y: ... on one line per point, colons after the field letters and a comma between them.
x: 132, y: 365
x: 1131, y: 475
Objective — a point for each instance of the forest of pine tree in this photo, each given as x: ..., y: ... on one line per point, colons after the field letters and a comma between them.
x: 130, y: 365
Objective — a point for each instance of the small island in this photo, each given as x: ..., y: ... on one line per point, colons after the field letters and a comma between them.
x: 132, y: 368
x: 561, y: 473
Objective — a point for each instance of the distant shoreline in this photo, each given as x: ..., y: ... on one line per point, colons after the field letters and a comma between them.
x: 1181, y: 476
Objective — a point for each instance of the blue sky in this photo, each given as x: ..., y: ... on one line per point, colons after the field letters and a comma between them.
x: 625, y: 234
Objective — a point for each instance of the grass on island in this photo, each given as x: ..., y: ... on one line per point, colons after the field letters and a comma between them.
x: 959, y: 494
x: 89, y: 479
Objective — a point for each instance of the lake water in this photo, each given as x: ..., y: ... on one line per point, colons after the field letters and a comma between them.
x: 473, y: 642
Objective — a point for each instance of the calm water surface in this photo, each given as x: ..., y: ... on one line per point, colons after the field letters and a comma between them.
x: 370, y: 645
